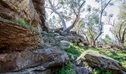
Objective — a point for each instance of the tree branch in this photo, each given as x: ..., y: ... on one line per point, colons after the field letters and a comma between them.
x: 120, y: 38
x: 76, y: 19
x: 61, y: 18
x: 106, y: 5
x: 100, y: 18
x: 79, y: 9
x: 123, y: 35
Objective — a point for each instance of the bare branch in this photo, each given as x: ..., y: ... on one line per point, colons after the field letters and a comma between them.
x: 100, y: 18
x: 79, y: 9
x: 123, y: 35
x: 74, y: 11
x: 106, y: 5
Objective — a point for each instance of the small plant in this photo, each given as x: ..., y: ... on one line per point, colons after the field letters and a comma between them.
x: 72, y: 51
x: 66, y: 69
x: 22, y: 22
x: 85, y: 64
x: 100, y: 71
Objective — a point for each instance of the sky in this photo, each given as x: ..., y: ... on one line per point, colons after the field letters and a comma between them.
x: 110, y: 10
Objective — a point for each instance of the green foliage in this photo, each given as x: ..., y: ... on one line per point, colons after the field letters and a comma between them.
x: 100, y: 71
x: 66, y: 69
x: 85, y: 64
x: 76, y: 51
x: 23, y: 23
x: 116, y: 54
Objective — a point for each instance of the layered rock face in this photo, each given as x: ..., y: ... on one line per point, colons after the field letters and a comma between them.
x: 19, y: 42
x: 16, y: 36
x: 16, y: 9
x: 39, y: 59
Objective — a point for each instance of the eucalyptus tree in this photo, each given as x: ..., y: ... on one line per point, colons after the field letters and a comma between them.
x: 119, y: 28
x: 90, y: 27
x: 92, y: 23
x: 103, y: 6
x: 67, y: 10
x: 119, y: 32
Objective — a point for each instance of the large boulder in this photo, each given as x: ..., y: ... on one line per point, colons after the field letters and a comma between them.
x: 17, y: 37
x: 46, y: 58
x: 101, y: 61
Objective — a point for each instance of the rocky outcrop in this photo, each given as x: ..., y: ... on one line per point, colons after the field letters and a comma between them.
x: 43, y: 58
x: 101, y: 61
x: 15, y: 36
x: 71, y: 37
x: 39, y: 7
x: 16, y: 9
x: 18, y: 39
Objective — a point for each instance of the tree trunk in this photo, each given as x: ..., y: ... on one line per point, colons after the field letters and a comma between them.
x: 93, y: 43
x: 74, y: 23
x: 16, y: 36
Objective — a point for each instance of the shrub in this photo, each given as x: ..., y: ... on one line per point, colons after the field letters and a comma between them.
x: 66, y: 69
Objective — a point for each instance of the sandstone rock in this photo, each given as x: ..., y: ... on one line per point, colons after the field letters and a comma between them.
x: 101, y: 61
x: 45, y: 58
x: 16, y: 9
x: 39, y: 7
x: 17, y: 37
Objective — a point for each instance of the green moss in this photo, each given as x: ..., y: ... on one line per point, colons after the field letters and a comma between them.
x: 74, y: 50
x: 118, y: 55
x: 23, y: 23
x: 66, y: 69
x: 100, y: 71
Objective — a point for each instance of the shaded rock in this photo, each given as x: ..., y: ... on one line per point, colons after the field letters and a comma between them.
x: 16, y: 61
x: 82, y: 70
x: 101, y: 61
x: 72, y: 37
x: 72, y: 58
x: 39, y: 7
x: 33, y: 71
x: 64, y: 44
